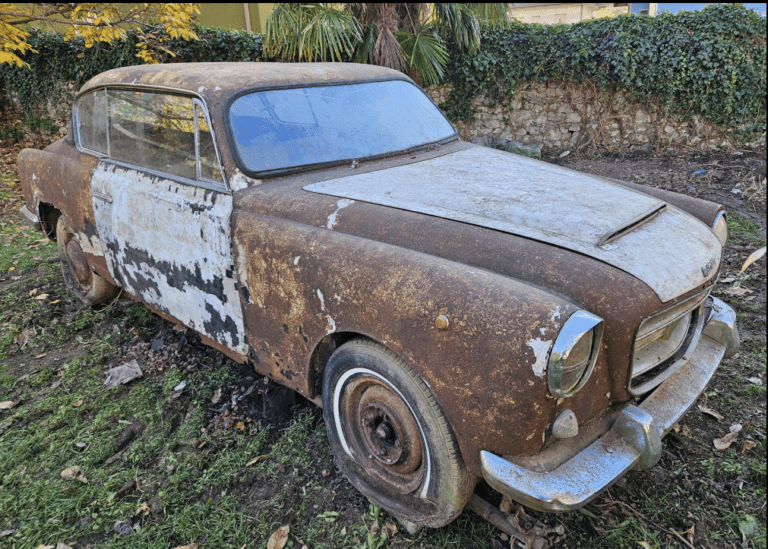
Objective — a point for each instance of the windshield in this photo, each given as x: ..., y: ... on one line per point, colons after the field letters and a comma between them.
x: 280, y: 129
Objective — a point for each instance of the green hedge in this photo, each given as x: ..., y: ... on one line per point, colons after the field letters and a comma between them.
x: 711, y: 62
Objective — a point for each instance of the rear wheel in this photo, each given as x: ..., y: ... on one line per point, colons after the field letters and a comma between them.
x: 390, y: 437
x: 89, y: 287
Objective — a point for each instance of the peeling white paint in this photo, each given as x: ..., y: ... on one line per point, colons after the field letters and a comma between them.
x: 343, y: 203
x: 158, y: 247
x: 240, y: 181
x: 322, y: 300
x: 541, y: 350
x: 555, y: 314
x: 296, y: 260
x: 331, y: 324
x: 543, y: 331
x: 201, y: 89
x: 90, y: 245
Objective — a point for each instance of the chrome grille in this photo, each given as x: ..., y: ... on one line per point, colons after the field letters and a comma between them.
x: 664, y: 341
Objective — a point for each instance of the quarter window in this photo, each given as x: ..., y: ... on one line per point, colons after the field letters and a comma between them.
x: 161, y: 132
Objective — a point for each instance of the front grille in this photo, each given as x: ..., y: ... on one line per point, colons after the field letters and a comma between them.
x: 664, y: 341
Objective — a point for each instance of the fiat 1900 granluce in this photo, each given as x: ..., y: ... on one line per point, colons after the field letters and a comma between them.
x: 459, y: 312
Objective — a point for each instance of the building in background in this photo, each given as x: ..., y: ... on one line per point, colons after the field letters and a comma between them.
x: 554, y: 14
x: 251, y: 17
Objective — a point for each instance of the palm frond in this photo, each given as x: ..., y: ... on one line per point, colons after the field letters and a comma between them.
x: 458, y: 22
x: 388, y: 52
x: 426, y: 52
x: 365, y: 48
x: 307, y: 32
x: 495, y: 15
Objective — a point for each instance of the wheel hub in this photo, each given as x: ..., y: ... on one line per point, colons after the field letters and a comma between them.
x: 386, y: 437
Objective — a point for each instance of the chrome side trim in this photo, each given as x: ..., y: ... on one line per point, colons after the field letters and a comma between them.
x: 634, y: 441
x: 30, y: 217
x: 721, y: 326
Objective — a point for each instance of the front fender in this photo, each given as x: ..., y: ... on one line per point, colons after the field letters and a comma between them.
x: 487, y: 370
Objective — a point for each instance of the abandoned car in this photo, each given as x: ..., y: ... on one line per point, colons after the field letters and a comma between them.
x: 459, y: 312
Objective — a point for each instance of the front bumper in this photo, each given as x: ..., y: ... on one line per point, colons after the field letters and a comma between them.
x: 634, y: 440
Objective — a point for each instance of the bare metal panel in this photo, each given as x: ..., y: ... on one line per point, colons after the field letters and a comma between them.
x: 537, y: 200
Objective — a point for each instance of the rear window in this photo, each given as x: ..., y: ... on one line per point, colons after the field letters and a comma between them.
x: 285, y: 129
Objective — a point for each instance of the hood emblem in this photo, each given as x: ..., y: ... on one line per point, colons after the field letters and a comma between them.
x: 706, y: 269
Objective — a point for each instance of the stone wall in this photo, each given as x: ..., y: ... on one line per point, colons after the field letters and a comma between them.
x: 575, y: 116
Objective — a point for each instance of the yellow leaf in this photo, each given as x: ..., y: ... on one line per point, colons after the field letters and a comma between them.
x: 754, y: 256
x: 78, y: 403
x: 41, y: 297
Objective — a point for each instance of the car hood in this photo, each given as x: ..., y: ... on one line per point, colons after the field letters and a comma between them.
x: 669, y: 250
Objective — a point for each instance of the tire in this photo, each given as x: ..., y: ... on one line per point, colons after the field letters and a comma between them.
x: 89, y: 287
x: 390, y: 437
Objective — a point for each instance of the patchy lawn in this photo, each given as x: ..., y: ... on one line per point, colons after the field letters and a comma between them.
x: 193, y: 451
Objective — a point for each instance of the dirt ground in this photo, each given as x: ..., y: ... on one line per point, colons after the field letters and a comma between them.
x: 227, y: 419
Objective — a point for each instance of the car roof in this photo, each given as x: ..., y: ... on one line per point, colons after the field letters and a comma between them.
x: 216, y: 81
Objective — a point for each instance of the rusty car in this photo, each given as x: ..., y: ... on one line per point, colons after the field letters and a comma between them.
x: 459, y: 312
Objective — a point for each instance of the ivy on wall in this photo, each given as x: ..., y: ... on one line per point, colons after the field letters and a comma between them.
x: 711, y: 62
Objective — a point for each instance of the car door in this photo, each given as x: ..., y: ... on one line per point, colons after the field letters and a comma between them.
x: 163, y: 212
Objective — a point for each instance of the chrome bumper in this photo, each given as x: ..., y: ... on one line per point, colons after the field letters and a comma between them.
x: 30, y: 218
x: 634, y: 440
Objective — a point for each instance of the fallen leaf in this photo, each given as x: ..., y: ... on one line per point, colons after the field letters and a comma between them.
x: 240, y: 426
x: 389, y: 530
x: 62, y: 545
x: 78, y: 403
x: 123, y: 374
x: 737, y: 291
x: 6, y: 405
x: 279, y: 537
x: 74, y: 473
x: 190, y: 546
x: 41, y: 296
x: 644, y: 545
x: 747, y: 446
x: 755, y: 381
x: 55, y: 302
x: 257, y: 459
x: 5, y: 533
x: 754, y: 256
x: 711, y: 412
x: 45, y: 547
x: 25, y: 335
x: 726, y: 441
x: 143, y: 508
x: 34, y: 292
x: 41, y: 355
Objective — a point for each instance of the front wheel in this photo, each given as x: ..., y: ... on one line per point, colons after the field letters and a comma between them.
x: 390, y: 437
x: 88, y: 286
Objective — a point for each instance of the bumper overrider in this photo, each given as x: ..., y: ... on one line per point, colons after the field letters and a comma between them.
x: 633, y: 441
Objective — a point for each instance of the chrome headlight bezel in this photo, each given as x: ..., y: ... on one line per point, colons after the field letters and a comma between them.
x: 720, y: 227
x: 580, y: 324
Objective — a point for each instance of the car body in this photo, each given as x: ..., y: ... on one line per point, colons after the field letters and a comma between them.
x: 459, y: 312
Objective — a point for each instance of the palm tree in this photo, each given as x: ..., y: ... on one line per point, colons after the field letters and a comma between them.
x: 407, y: 37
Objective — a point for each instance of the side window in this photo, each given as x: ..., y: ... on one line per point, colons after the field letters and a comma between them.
x: 153, y: 130
x: 162, y: 132
x: 91, y: 120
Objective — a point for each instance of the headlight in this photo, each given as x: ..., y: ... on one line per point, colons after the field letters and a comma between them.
x: 720, y: 227
x: 574, y: 353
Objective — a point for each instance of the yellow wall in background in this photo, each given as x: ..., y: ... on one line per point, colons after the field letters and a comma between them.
x: 232, y: 16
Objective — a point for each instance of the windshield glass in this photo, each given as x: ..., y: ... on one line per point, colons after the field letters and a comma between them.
x: 279, y: 129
